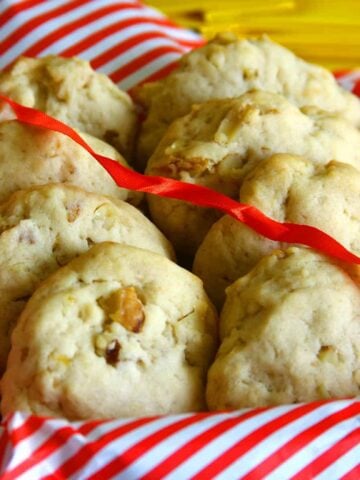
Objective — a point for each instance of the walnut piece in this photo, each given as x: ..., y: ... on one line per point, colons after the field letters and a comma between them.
x: 112, y: 352
x: 73, y: 211
x: 124, y: 306
x: 27, y: 236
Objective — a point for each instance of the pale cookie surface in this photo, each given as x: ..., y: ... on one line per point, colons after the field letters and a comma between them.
x: 288, y: 189
x: 70, y: 90
x: 118, y: 332
x: 290, y: 332
x: 220, y: 141
x: 45, y: 227
x: 228, y: 67
x: 32, y: 156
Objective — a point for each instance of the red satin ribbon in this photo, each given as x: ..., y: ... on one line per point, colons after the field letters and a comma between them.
x: 198, y: 195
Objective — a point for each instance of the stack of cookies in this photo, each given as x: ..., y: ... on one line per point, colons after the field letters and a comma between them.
x: 251, y: 120
x: 99, y: 320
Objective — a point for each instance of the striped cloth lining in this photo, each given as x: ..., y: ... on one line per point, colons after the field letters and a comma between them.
x: 304, y: 441
x: 124, y: 39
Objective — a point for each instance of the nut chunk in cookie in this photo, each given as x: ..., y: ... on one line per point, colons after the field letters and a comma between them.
x: 118, y: 332
x: 70, y: 90
x: 290, y: 332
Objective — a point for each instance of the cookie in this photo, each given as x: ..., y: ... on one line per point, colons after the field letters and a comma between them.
x: 45, y: 227
x: 70, y: 90
x: 288, y: 189
x: 32, y: 156
x: 228, y: 67
x: 118, y: 332
x: 290, y: 332
x: 221, y: 141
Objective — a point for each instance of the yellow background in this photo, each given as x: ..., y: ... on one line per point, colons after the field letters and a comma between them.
x: 325, y: 32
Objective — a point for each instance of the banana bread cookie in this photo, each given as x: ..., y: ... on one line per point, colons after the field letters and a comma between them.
x: 32, y: 156
x: 290, y: 332
x: 118, y: 332
x: 70, y: 90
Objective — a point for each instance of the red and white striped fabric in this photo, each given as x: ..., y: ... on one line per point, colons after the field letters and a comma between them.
x: 305, y: 441
x: 132, y: 43
x: 124, y: 39
x: 349, y: 80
